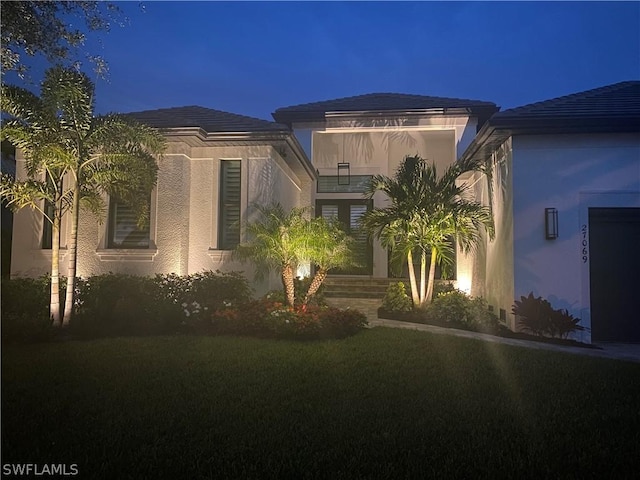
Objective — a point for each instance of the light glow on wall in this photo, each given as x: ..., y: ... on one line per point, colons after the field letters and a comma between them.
x: 464, y: 284
x: 303, y: 271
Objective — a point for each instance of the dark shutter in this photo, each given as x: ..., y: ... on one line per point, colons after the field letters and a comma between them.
x: 229, y: 215
x: 47, y: 227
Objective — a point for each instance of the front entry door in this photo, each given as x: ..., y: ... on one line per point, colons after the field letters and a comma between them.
x: 348, y: 213
x: 614, y: 236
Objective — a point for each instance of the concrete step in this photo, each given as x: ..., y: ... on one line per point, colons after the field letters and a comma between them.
x: 354, y: 294
x: 357, y: 287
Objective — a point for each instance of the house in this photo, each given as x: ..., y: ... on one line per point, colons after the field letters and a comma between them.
x: 351, y: 139
x: 216, y: 165
x: 565, y: 191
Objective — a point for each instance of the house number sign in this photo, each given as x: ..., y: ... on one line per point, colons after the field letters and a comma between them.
x: 584, y: 244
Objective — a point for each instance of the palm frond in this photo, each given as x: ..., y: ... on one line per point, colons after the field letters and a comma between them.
x: 26, y: 193
x: 70, y: 94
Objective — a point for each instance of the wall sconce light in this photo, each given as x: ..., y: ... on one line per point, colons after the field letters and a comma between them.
x: 344, y: 173
x: 551, y: 223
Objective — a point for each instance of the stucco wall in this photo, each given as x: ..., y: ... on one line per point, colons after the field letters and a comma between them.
x: 378, y: 145
x: 184, y: 216
x: 570, y: 173
x: 488, y: 271
x: 27, y: 258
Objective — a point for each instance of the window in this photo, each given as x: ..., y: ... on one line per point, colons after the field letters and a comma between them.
x: 229, y: 213
x: 124, y: 231
x: 331, y: 184
x: 47, y: 227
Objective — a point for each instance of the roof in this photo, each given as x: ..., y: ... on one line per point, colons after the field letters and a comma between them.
x: 609, y: 109
x: 208, y: 119
x: 231, y: 128
x: 620, y: 101
x: 378, y: 102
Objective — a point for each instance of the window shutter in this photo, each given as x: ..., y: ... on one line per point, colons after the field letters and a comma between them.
x: 47, y: 227
x: 230, y: 190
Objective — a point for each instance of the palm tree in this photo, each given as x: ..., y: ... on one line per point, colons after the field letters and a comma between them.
x: 73, y: 157
x: 330, y: 247
x: 282, y: 240
x: 277, y: 240
x: 427, y: 214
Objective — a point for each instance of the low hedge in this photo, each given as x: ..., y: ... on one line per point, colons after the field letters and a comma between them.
x: 450, y: 308
x: 203, y: 303
x: 267, y: 318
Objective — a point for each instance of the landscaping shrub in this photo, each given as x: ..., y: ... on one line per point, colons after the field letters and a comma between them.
x: 25, y: 309
x: 338, y: 323
x: 250, y: 319
x: 269, y: 318
x: 301, y: 289
x: 537, y: 316
x: 286, y: 322
x: 396, y: 298
x: 452, y: 307
x: 301, y: 286
x: 442, y: 286
x: 458, y: 309
x: 563, y: 323
x: 117, y: 304
x: 207, y: 302
x: 195, y: 297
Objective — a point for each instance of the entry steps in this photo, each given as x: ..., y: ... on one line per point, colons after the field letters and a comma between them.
x: 357, y: 287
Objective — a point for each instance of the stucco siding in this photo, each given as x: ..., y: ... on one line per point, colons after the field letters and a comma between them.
x: 560, y: 172
x: 184, y: 216
x: 488, y: 271
x: 499, y: 251
x: 374, y: 145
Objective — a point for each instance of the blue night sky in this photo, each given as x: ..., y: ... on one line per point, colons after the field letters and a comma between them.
x: 253, y: 57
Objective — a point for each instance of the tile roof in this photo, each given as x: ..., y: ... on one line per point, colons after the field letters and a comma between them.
x: 609, y: 109
x: 210, y: 120
x: 620, y: 101
x: 375, y: 102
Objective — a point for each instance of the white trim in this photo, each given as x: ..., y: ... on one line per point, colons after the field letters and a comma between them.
x: 219, y: 255
x: 431, y: 128
x: 127, y: 255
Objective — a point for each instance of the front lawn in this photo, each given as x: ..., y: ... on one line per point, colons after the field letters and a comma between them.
x: 385, y: 403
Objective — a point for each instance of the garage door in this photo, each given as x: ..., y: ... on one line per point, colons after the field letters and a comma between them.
x: 614, y: 247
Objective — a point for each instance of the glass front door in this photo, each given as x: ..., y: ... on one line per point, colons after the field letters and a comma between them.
x: 348, y: 213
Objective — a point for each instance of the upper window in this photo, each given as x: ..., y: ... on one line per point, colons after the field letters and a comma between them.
x: 229, y: 213
x: 331, y: 184
x: 124, y: 230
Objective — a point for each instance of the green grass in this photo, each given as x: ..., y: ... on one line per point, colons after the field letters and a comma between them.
x: 383, y: 404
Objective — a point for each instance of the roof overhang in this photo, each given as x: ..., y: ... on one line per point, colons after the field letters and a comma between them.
x: 293, y: 153
x: 288, y: 118
x: 498, y: 129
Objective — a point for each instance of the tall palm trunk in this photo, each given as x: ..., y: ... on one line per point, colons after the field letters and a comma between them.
x: 415, y: 297
x: 432, y: 276
x: 54, y: 300
x: 318, y: 278
x: 287, y: 282
x: 423, y: 283
x: 73, y: 254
